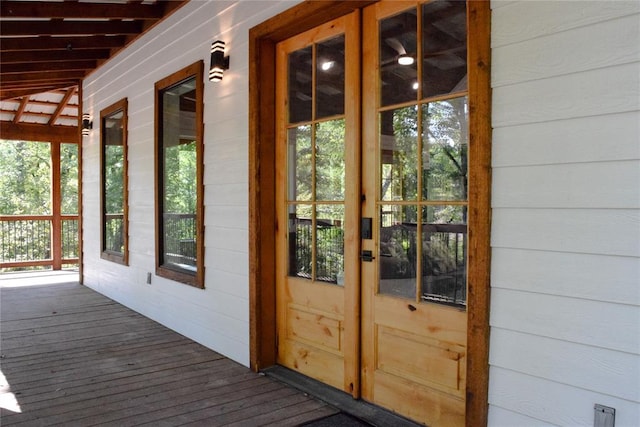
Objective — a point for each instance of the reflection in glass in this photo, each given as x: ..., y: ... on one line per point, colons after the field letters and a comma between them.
x: 300, y: 164
x: 398, y: 251
x: 444, y: 157
x: 330, y: 243
x: 330, y: 160
x: 398, y: 39
x: 399, y: 154
x: 330, y: 77
x: 444, y: 40
x: 301, y: 241
x: 300, y: 85
x: 444, y: 254
x: 179, y: 176
x: 113, y: 184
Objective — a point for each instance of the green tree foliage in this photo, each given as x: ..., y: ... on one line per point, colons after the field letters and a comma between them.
x: 25, y: 181
x: 180, y: 178
x: 69, y: 178
x: 113, y: 179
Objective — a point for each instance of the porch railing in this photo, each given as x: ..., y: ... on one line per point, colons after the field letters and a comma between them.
x: 180, y: 239
x: 30, y: 241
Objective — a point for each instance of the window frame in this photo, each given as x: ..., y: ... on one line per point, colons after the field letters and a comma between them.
x: 121, y: 105
x: 195, y: 70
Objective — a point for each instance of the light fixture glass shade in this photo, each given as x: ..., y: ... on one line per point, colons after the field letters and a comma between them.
x: 405, y: 59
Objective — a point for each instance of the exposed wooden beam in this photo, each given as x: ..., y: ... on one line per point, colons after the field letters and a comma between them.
x: 62, y: 105
x: 70, y: 43
x: 36, y: 67
x: 35, y: 132
x: 43, y: 76
x: 49, y: 85
x: 20, y: 110
x: 25, y: 28
x: 41, y: 9
x: 34, y: 114
x: 12, y: 93
x: 12, y: 57
x: 44, y: 103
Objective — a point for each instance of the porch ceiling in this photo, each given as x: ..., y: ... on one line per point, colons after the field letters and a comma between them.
x: 48, y: 47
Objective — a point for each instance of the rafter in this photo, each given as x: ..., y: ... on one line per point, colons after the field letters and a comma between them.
x: 43, y: 76
x: 51, y: 28
x: 50, y: 56
x: 61, y: 106
x: 35, y: 114
x: 37, y: 67
x: 49, y: 45
x: 42, y: 9
x: 70, y: 43
x: 43, y: 103
x: 20, y: 110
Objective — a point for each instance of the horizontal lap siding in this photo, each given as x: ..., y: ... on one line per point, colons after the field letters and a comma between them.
x: 218, y: 316
x: 565, y: 307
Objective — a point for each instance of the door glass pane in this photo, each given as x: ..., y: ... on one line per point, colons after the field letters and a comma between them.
x: 300, y: 163
x: 444, y: 254
x: 398, y: 251
x: 330, y: 78
x: 300, y: 85
x: 398, y: 53
x: 330, y: 160
x: 300, y: 240
x: 399, y: 154
x: 445, y: 143
x: 444, y: 40
x: 330, y: 243
x: 179, y: 178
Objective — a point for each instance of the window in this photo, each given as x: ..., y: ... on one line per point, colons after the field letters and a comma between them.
x: 179, y: 174
x: 113, y: 166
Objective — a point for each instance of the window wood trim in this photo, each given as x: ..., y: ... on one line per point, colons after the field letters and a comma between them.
x: 195, y: 70
x: 121, y: 105
x: 262, y: 217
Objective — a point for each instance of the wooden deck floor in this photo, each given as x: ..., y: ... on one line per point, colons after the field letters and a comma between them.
x: 70, y: 356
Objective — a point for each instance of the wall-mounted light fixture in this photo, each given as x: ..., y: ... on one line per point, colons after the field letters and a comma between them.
x: 219, y: 62
x: 87, y: 124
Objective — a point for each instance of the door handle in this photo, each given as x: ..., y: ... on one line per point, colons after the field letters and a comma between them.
x: 367, y: 256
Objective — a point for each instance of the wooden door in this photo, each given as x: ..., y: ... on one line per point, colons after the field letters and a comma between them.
x: 382, y: 315
x: 318, y: 208
x: 415, y: 162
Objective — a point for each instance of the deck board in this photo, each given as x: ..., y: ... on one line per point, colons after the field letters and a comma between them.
x: 73, y: 357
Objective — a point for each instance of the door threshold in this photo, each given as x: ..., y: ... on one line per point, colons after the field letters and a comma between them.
x: 359, y: 409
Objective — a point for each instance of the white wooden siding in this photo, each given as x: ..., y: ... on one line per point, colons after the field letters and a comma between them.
x: 565, y: 304
x: 218, y: 316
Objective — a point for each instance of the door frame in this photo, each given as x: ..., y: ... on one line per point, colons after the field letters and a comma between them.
x: 262, y: 165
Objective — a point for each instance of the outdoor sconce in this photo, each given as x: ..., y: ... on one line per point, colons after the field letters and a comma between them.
x: 87, y: 124
x: 219, y: 62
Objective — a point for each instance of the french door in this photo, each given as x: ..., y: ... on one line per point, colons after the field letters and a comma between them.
x: 372, y: 206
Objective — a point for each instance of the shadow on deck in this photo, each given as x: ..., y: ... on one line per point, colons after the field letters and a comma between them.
x: 71, y: 356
